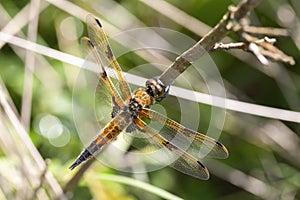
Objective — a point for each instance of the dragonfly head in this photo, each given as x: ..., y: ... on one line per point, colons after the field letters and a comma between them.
x: 157, y: 89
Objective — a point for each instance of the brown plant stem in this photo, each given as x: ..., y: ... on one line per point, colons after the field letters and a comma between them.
x: 207, y: 42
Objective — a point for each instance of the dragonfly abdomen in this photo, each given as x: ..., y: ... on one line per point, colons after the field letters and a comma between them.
x: 91, y: 150
x: 85, y: 154
x: 108, y: 133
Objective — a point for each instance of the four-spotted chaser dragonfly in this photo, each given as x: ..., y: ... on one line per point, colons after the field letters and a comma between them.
x: 131, y: 111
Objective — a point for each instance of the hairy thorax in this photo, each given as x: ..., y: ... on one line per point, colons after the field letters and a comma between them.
x: 139, y: 99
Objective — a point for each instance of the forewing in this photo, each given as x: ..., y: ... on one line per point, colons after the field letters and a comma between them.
x: 99, y: 39
x: 95, y: 59
x: 195, y: 143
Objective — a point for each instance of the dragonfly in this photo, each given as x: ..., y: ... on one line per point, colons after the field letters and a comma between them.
x: 132, y: 110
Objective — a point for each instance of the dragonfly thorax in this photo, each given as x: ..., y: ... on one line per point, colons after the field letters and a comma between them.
x: 140, y: 99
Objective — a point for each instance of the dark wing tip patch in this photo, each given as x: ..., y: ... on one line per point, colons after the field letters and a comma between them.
x: 90, y: 43
x: 98, y: 22
x: 226, y: 154
x: 219, y: 144
x: 205, y: 171
x: 201, y: 164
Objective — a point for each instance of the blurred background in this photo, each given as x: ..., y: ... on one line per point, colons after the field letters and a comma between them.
x: 38, y: 136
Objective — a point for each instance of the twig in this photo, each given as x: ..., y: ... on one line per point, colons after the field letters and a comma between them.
x: 207, y: 42
x: 21, y: 134
x: 234, y: 20
x: 240, y: 45
x: 266, y: 31
x: 268, y: 49
x: 261, y: 48
x: 256, y: 51
x: 75, y: 179
x: 42, y: 180
x: 222, y: 46
x: 29, y: 64
x: 266, y: 39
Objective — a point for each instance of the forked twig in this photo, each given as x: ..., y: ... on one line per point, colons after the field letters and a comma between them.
x: 208, y: 41
x: 42, y: 180
x: 267, y: 49
x: 235, y: 20
x: 266, y: 31
x: 75, y: 179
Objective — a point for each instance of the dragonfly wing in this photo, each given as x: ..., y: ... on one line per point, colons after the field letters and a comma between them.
x: 173, y: 155
x: 99, y: 39
x: 94, y: 58
x: 195, y: 143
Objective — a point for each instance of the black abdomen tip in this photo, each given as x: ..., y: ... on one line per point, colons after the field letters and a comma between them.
x: 83, y: 157
x: 75, y: 164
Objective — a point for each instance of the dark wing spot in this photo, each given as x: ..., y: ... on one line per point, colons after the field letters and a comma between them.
x: 98, y: 22
x: 167, y: 145
x: 104, y: 75
x: 200, y: 164
x: 219, y: 144
x: 109, y: 52
x: 91, y: 43
x: 224, y: 149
